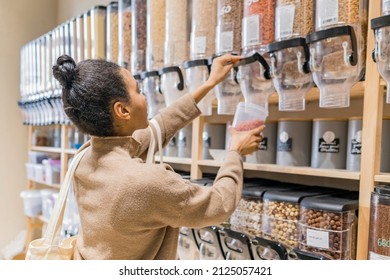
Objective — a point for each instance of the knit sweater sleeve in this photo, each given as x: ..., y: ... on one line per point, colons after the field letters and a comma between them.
x: 170, y: 119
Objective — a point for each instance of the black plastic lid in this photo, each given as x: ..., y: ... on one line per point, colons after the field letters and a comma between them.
x: 290, y: 43
x: 296, y: 195
x: 379, y: 22
x: 303, y: 255
x: 99, y: 7
x: 137, y: 76
x: 382, y: 190
x: 252, y: 190
x: 337, y: 202
x: 193, y: 63
x: 172, y: 69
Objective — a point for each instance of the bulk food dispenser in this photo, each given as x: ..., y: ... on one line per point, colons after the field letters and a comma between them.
x: 228, y: 40
x: 254, y: 72
x: 337, y: 49
x: 381, y: 55
x: 155, y: 26
x: 98, y: 32
x: 290, y: 54
x: 202, y: 46
x: 112, y: 39
x: 138, y: 36
x: 175, y: 49
x: 124, y: 33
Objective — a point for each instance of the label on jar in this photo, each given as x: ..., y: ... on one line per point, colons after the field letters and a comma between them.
x: 329, y: 143
x: 375, y: 256
x: 200, y: 45
x: 317, y: 238
x: 251, y: 30
x: 284, y: 142
x: 284, y: 21
x: 356, y: 143
x: 263, y: 146
x: 327, y: 12
x: 226, y: 44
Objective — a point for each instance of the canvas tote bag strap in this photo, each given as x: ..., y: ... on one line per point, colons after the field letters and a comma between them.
x: 154, y: 126
x: 56, y: 218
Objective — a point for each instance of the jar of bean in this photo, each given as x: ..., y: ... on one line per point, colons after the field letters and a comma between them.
x: 229, y: 26
x: 138, y: 35
x: 258, y: 22
x: 293, y: 18
x: 124, y: 33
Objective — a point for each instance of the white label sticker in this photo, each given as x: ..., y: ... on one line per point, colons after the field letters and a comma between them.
x: 251, y: 30
x: 227, y: 41
x: 284, y: 21
x: 200, y: 45
x: 317, y: 238
x: 327, y: 12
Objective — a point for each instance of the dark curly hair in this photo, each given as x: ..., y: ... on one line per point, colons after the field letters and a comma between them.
x: 89, y: 89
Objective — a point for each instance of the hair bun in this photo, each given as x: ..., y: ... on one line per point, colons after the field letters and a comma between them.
x: 65, y: 71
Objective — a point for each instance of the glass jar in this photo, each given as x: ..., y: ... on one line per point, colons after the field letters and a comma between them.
x: 112, y: 30
x: 155, y: 34
x: 204, y: 22
x: 258, y: 23
x: 138, y: 36
x: 124, y: 33
x: 176, y: 49
x: 379, y: 234
x: 98, y: 32
x: 229, y: 26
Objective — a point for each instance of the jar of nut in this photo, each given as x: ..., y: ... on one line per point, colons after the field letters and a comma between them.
x: 327, y: 225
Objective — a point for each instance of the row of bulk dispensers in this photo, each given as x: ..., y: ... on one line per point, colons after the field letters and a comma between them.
x: 329, y: 54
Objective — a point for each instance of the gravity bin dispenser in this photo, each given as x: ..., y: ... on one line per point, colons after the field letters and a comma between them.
x: 381, y: 54
x: 290, y: 54
x: 337, y: 49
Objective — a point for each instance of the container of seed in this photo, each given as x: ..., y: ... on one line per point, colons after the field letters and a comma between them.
x: 281, y: 213
x: 328, y: 223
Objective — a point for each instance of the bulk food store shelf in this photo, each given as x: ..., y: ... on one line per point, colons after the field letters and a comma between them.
x: 56, y: 186
x: 71, y: 151
x: 330, y: 173
x: 46, y: 149
x: 383, y: 178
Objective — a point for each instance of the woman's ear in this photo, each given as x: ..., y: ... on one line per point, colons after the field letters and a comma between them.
x: 121, y: 111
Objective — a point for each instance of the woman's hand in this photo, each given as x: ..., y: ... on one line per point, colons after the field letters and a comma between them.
x: 245, y: 142
x: 221, y: 67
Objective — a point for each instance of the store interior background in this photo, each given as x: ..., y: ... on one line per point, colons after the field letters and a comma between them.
x: 20, y: 22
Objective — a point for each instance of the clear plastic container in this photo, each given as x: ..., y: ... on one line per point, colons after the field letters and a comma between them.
x: 177, y: 33
x: 138, y: 36
x: 229, y: 26
x: 124, y: 33
x: 112, y: 29
x: 293, y: 18
x: 156, y: 34
x: 337, y: 49
x: 172, y: 84
x: 87, y: 35
x: 151, y: 89
x: 32, y: 202
x: 379, y: 234
x: 203, y: 26
x: 291, y: 73
x: 80, y: 38
x: 249, y: 116
x: 258, y: 23
x: 98, y: 32
x: 328, y: 225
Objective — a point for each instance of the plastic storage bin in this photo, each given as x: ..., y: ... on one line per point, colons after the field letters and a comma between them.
x: 293, y: 146
x: 124, y: 34
x: 32, y: 202
x: 354, y: 144
x: 328, y: 225
x: 379, y: 235
x: 329, y: 143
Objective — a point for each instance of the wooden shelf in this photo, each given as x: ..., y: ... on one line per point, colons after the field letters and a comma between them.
x: 43, y: 219
x: 46, y: 149
x: 57, y: 186
x: 383, y: 178
x: 307, y: 171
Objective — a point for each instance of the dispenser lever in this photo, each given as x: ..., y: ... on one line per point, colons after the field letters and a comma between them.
x: 165, y: 70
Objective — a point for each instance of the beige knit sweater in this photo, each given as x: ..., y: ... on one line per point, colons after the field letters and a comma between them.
x: 133, y: 210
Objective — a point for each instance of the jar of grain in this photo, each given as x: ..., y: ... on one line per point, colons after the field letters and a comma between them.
x: 80, y: 37
x: 124, y: 34
x: 328, y: 225
x: 229, y: 26
x: 293, y: 18
x: 177, y: 32
x: 204, y: 22
x: 138, y: 36
x: 155, y: 26
x: 379, y: 235
x: 98, y: 32
x: 329, y: 143
x: 258, y: 23
x: 112, y: 39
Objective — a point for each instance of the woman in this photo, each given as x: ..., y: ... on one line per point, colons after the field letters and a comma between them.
x: 130, y: 209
